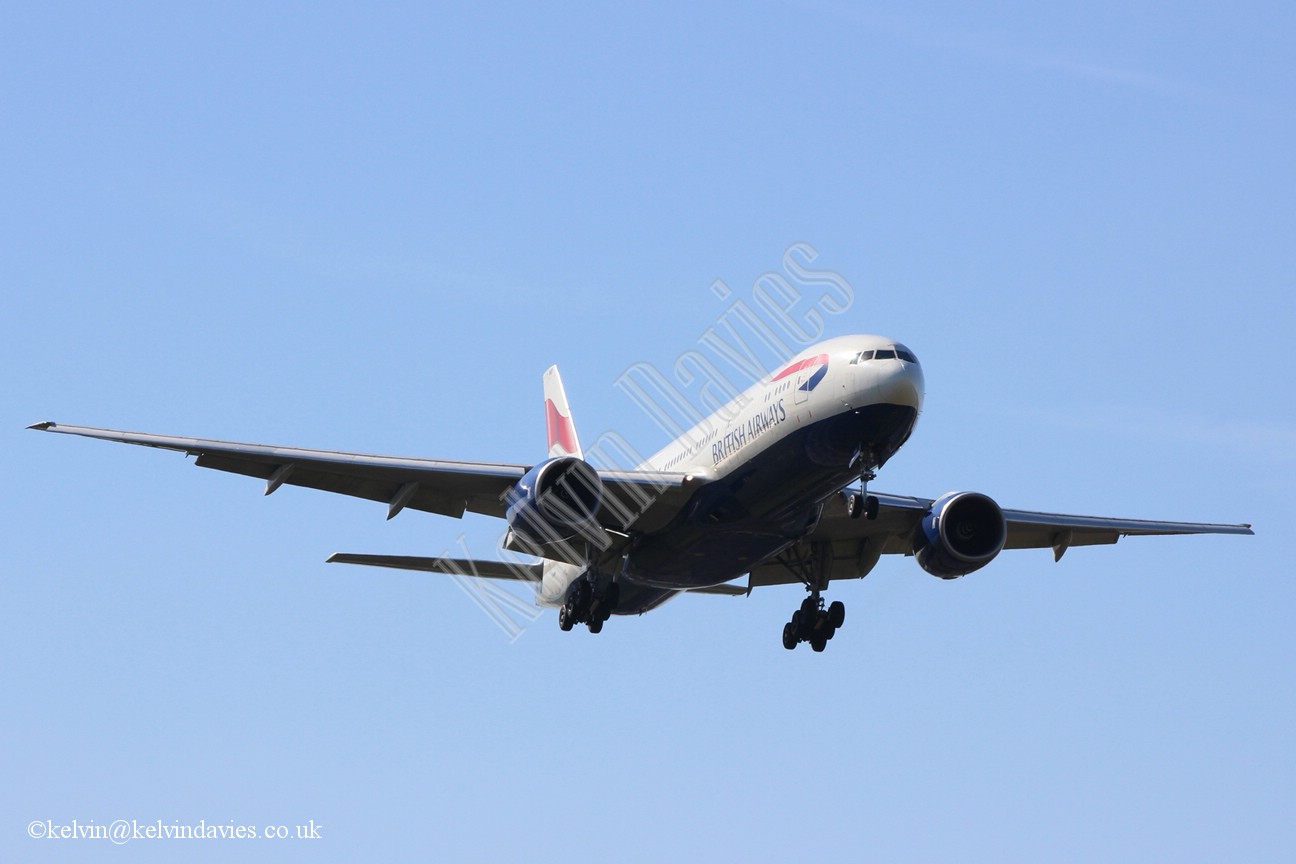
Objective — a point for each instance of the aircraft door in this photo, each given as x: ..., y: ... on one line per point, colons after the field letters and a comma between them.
x: 799, y: 393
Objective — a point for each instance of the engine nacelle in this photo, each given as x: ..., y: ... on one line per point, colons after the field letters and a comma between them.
x: 555, y: 501
x: 962, y: 532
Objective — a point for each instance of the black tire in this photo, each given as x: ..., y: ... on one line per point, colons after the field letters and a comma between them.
x: 596, y: 625
x: 854, y: 505
x: 565, y: 623
x: 871, y: 506
x: 837, y: 614
x: 819, y: 642
x: 797, y: 626
x: 789, y: 636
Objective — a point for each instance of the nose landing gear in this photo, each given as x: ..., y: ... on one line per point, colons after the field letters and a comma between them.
x: 861, y: 503
x: 858, y: 505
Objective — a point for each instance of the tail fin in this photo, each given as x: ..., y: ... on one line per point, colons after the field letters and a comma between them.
x: 557, y: 576
x: 558, y: 419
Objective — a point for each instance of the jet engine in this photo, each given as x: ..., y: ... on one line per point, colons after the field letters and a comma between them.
x: 962, y: 532
x: 554, y: 501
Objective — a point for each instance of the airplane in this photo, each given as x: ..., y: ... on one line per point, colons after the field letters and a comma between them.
x: 760, y: 493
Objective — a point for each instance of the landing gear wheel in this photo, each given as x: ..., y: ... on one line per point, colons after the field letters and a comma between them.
x: 596, y: 625
x: 565, y: 622
x: 868, y: 504
x: 836, y: 614
x: 814, y: 623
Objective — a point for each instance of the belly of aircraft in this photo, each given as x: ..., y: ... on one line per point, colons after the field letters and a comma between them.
x: 747, y: 517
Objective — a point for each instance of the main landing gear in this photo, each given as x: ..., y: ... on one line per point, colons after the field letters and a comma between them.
x: 588, y: 605
x: 813, y: 623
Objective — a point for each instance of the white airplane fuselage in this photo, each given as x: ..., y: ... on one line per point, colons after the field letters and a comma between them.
x: 765, y: 464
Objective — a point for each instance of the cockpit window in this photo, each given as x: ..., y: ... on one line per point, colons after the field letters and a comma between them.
x: 898, y: 351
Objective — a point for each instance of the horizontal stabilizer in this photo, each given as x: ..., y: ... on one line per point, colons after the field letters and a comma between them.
x: 452, y: 566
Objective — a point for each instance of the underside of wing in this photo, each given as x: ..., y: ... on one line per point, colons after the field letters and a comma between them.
x: 632, y: 500
x: 434, y: 486
x: 1059, y: 531
x: 899, y: 517
x: 845, y: 547
x: 643, y: 501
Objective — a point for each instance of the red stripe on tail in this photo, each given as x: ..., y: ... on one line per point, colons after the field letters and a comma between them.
x: 560, y: 428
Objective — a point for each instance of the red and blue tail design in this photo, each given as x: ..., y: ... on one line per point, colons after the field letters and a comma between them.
x: 558, y: 419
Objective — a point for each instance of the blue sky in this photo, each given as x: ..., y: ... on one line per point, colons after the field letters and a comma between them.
x: 330, y: 226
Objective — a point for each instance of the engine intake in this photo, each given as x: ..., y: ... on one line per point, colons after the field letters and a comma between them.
x: 962, y: 532
x: 555, y: 501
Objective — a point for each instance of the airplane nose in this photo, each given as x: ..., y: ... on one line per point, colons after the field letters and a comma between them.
x: 900, y: 383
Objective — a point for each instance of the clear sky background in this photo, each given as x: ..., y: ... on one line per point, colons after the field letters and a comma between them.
x: 314, y: 225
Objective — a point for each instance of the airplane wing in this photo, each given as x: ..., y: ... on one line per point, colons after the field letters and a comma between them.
x: 853, y: 545
x: 899, y: 517
x: 634, y: 500
x: 433, y: 486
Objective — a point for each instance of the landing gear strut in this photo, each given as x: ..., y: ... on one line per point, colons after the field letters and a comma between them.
x: 588, y: 604
x: 813, y: 623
